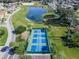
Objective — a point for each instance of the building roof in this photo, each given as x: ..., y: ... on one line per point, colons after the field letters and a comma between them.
x: 41, y: 57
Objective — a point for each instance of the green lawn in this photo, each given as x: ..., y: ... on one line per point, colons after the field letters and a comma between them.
x: 65, y: 52
x: 54, y: 33
x: 62, y: 51
x: 19, y: 17
x: 3, y: 37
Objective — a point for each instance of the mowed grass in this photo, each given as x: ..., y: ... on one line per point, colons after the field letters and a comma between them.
x: 58, y: 30
x: 65, y: 52
x: 19, y: 17
x: 54, y: 32
x: 3, y: 38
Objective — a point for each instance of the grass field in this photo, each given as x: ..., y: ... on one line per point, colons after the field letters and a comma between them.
x: 54, y: 32
x: 19, y: 18
x: 63, y: 52
x: 3, y: 37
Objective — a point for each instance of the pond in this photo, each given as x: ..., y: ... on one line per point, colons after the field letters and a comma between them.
x: 36, y: 14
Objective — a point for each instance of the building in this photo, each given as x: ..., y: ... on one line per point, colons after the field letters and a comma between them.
x: 3, y: 12
x: 64, y: 3
x: 18, y: 0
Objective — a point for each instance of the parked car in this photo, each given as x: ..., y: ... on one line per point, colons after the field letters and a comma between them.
x: 11, y: 51
x: 5, y: 48
x: 13, y: 32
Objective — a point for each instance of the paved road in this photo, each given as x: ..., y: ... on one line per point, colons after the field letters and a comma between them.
x: 11, y: 37
x: 9, y: 25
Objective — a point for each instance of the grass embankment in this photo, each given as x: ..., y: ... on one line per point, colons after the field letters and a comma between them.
x: 55, y: 32
x: 3, y: 36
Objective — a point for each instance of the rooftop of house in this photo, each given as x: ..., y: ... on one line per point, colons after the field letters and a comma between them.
x: 64, y: 3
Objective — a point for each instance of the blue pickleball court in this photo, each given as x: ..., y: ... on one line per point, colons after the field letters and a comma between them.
x: 38, y: 42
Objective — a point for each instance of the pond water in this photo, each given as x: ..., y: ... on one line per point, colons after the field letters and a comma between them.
x: 36, y: 13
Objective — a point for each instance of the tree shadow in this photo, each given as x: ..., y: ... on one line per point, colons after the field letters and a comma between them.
x: 57, y: 22
x: 68, y: 42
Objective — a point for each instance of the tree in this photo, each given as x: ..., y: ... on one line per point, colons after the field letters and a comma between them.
x: 19, y: 29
